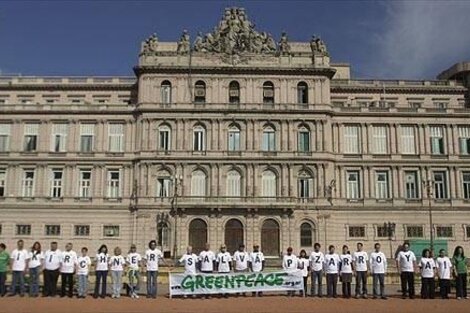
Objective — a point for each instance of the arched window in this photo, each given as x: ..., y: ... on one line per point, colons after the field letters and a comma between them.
x: 269, y: 184
x: 163, y: 232
x: 233, y: 138
x: 197, y: 235
x: 164, y: 184
x: 307, y: 233
x: 234, y: 92
x: 269, y: 139
x: 303, y: 139
x: 270, y: 238
x: 200, y: 92
x: 233, y: 234
x: 164, y: 138
x: 199, y: 138
x: 302, y: 93
x: 166, y: 92
x: 233, y: 184
x: 268, y: 93
x: 305, y: 183
x: 198, y: 184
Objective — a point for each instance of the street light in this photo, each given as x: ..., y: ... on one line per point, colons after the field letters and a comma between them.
x: 428, y: 184
x: 177, y: 179
x: 389, y: 228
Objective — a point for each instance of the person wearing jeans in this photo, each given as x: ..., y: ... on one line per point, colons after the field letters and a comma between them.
x: 316, y: 266
x: 101, y: 272
x: 4, y: 261
x: 360, y: 259
x: 406, y: 265
x: 19, y: 258
x: 332, y: 263
x: 36, y: 258
x: 378, y: 268
x: 459, y: 262
x: 83, y: 265
x: 117, y: 263
x: 152, y: 257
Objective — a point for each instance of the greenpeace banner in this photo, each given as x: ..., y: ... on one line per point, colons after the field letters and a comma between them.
x: 182, y: 284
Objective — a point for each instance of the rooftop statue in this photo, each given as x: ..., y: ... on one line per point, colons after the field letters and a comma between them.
x: 284, y: 46
x: 183, y: 44
x: 318, y: 45
x: 150, y: 45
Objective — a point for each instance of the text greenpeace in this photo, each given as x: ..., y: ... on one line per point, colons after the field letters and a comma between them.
x: 182, y: 284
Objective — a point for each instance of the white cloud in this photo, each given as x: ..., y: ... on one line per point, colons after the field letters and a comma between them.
x: 420, y: 39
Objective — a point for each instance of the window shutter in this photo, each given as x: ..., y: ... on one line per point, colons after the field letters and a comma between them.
x: 408, y: 140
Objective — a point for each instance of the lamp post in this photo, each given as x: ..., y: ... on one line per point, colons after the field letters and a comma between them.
x: 177, y: 179
x: 390, y: 231
x: 329, y: 196
x: 428, y: 184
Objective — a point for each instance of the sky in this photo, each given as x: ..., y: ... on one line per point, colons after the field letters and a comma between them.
x: 380, y: 39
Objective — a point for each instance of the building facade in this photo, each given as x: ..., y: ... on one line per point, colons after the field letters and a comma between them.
x: 235, y: 138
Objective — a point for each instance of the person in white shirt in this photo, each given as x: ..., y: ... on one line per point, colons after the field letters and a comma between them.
x: 152, y: 257
x: 68, y: 262
x: 19, y: 258
x: 117, y: 263
x: 256, y: 264
x: 346, y: 271
x: 428, y: 270
x: 290, y: 263
x: 378, y: 268
x: 317, y: 260
x: 304, y: 266
x: 444, y: 268
x: 206, y: 260
x: 83, y: 265
x: 240, y: 259
x: 101, y: 272
x: 190, y: 261
x: 36, y: 258
x: 360, y: 259
x: 406, y: 264
x: 133, y: 261
x: 223, y: 262
x: 331, y: 265
x: 51, y: 270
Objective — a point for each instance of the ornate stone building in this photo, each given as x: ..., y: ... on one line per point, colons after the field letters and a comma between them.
x: 234, y: 138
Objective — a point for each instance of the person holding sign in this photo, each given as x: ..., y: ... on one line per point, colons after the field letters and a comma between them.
x: 346, y: 271
x: 67, y: 269
x: 304, y: 265
x: 223, y: 261
x: 152, y: 257
x: 317, y: 260
x: 444, y: 266
x: 290, y: 263
x: 256, y: 264
x: 207, y: 261
x: 378, y: 268
x: 428, y: 269
x: 360, y: 259
x: 133, y: 261
x: 331, y: 269
x: 406, y: 264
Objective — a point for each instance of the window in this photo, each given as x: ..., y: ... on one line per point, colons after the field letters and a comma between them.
x: 233, y: 184
x: 268, y: 93
x: 23, y: 229
x: 302, y: 93
x: 437, y: 140
x: 464, y: 140
x: 234, y: 139
x: 110, y: 231
x: 357, y: 231
x: 268, y: 184
x: 351, y: 139
x: 114, y: 184
x: 303, y: 139
x: 444, y: 231
x: 164, y: 187
x: 81, y: 230
x: 115, y: 137
x: 84, y: 184
x: 415, y: 104
x: 408, y: 145
x: 440, y: 105
x: 59, y: 137
x: 200, y: 92
x: 163, y: 232
x: 411, y: 185
x: 380, y: 137
x: 56, y: 183
x: 353, y: 190
x: 2, y: 182
x: 269, y: 139
x: 414, y: 231
x: 31, y: 137
x: 440, y: 185
x: 381, y: 232
x: 306, y: 235
x: 466, y: 185
x: 5, y: 130
x: 52, y: 230
x: 87, y: 132
x: 166, y: 92
x: 381, y: 185
x: 199, y: 134
x: 28, y: 184
x: 164, y: 138
x: 198, y: 184
x: 234, y: 92
x: 305, y: 185
x: 467, y: 231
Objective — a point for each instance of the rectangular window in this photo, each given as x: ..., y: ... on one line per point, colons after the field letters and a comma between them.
x: 411, y: 185
x: 59, y: 137
x: 467, y: 231
x: 31, y: 137
x: 466, y: 185
x: 380, y: 137
x: 234, y: 140
x: 56, y: 183
x: 114, y: 184
x: 52, y: 230
x: 464, y: 140
x: 408, y: 143
x: 84, y: 184
x: 5, y: 131
x: 351, y: 139
x: 23, y: 229
x: 304, y: 140
x: 163, y: 187
x: 3, y: 176
x: 164, y: 138
x: 304, y: 187
x: 381, y: 232
x: 81, y: 230
x: 381, y: 185
x: 353, y: 185
x: 444, y: 232
x: 414, y: 231
x: 198, y: 140
x: 28, y: 184
x: 87, y: 132
x: 116, y: 137
x: 357, y: 231
x: 440, y: 185
x: 166, y: 93
x: 111, y: 231
x: 437, y: 140
x: 269, y: 140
